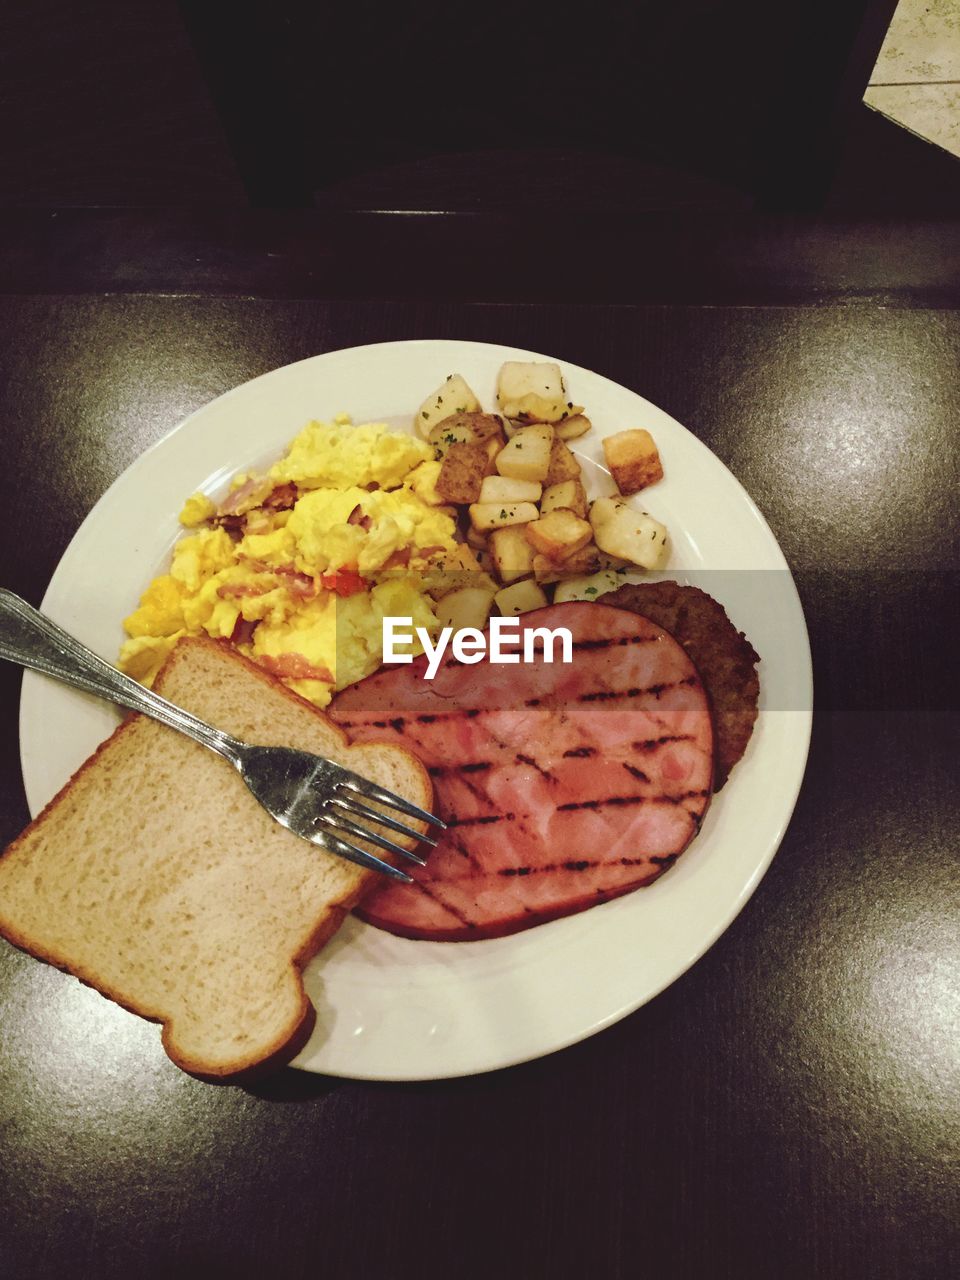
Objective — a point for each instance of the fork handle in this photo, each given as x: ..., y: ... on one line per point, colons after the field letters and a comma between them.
x: 31, y: 639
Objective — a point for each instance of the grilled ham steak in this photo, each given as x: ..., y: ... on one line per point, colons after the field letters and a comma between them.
x: 563, y: 784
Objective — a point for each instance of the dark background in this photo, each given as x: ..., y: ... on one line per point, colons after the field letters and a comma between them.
x: 708, y: 103
x: 691, y: 199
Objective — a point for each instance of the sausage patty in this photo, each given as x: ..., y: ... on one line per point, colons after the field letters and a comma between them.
x: 724, y: 657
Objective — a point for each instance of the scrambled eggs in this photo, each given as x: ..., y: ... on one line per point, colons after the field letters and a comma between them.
x: 299, y: 567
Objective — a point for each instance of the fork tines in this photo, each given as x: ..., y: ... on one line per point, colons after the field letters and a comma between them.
x: 325, y: 836
x: 364, y: 787
x: 348, y: 827
x: 345, y: 815
x: 349, y: 805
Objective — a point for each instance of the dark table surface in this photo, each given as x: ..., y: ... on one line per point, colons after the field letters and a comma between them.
x: 790, y: 1108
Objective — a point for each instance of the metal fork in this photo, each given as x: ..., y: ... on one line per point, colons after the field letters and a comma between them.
x: 311, y: 796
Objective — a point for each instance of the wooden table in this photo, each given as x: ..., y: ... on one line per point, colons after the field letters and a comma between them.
x: 788, y: 1109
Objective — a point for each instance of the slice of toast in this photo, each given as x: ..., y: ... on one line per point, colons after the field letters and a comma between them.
x: 156, y: 877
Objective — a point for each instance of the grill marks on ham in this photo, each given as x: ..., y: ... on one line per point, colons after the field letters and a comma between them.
x: 563, y: 784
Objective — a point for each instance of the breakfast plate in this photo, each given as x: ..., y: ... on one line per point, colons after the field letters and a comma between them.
x: 390, y: 1008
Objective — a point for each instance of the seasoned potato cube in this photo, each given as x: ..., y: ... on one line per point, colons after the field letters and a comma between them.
x: 457, y: 567
x: 462, y: 473
x: 485, y: 561
x: 466, y: 428
x: 452, y: 396
x: 482, y: 426
x: 589, y: 559
x: 563, y: 465
x: 476, y: 538
x: 486, y: 426
x: 444, y: 436
x: 493, y: 447
x: 587, y: 588
x: 512, y: 553
x: 572, y: 427
x: 546, y: 570
x: 504, y: 489
x: 632, y: 535
x: 465, y: 607
x: 633, y: 460
x: 569, y: 494
x: 520, y: 598
x: 533, y: 392
x: 460, y: 558
x: 494, y: 515
x: 527, y: 455
x: 558, y: 535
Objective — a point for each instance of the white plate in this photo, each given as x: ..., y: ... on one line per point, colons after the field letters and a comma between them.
x: 393, y: 1009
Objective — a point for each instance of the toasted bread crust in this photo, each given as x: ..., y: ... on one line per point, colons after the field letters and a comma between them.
x: 330, y: 913
x: 278, y: 1054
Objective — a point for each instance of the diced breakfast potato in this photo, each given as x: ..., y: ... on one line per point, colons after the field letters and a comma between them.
x: 462, y: 472
x: 546, y: 570
x: 484, y: 426
x: 476, y: 538
x: 448, y: 433
x: 568, y: 493
x: 527, y: 455
x: 558, y: 535
x: 452, y: 396
x: 575, y: 425
x: 504, y: 489
x: 532, y: 392
x: 633, y: 460
x: 493, y: 447
x: 512, y: 553
x: 485, y: 561
x: 466, y: 428
x: 494, y: 515
x: 466, y: 607
x: 632, y: 535
x: 563, y: 465
x: 520, y: 598
x: 583, y: 563
x: 588, y: 559
x: 456, y: 567
x: 587, y: 588
x: 460, y: 556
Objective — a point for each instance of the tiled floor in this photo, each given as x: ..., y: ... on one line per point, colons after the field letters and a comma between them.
x: 916, y: 81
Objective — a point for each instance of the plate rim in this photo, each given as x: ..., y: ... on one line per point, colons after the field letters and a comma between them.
x: 803, y: 716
